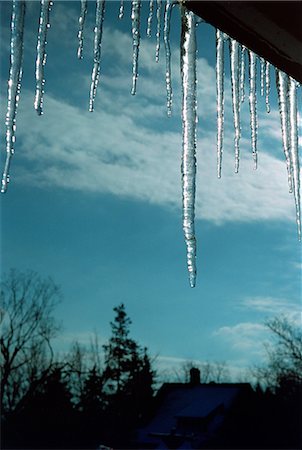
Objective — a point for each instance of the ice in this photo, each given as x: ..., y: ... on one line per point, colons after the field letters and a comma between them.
x: 242, y: 72
x: 253, y: 105
x: 98, y: 31
x: 167, y: 22
x: 234, y: 58
x: 286, y: 88
x: 267, y: 86
x: 262, y: 75
x: 282, y: 89
x: 82, y: 18
x: 135, y: 16
x: 41, y: 54
x: 158, y: 17
x: 189, y: 120
x: 121, y: 10
x: 150, y: 18
x: 220, y: 96
x: 14, y: 84
x: 294, y: 154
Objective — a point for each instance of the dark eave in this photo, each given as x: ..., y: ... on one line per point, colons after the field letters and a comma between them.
x: 272, y: 29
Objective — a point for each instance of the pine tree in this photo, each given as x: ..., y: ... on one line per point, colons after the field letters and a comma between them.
x: 128, y: 379
x: 91, y: 401
x: 119, y: 352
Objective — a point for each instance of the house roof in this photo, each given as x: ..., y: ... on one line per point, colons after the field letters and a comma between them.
x: 272, y: 29
x: 184, y: 401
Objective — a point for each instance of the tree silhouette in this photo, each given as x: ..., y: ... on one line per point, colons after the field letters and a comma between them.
x: 27, y: 327
x: 128, y: 379
x: 119, y: 352
x: 282, y: 374
x: 284, y: 354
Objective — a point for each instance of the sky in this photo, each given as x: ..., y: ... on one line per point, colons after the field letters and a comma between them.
x: 94, y: 199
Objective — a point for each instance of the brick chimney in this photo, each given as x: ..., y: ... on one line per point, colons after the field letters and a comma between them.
x: 194, y: 376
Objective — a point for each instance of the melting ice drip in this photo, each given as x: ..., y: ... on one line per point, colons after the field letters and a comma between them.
x: 286, y: 88
x: 14, y: 84
x: 98, y: 32
x: 41, y: 54
x: 287, y: 94
x: 189, y: 120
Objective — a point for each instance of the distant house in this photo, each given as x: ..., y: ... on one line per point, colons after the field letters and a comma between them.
x: 193, y: 415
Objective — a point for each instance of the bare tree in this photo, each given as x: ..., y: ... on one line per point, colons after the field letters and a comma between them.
x: 27, y: 327
x: 284, y: 354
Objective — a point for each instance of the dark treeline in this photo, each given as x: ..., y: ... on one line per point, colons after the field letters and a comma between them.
x: 102, y: 395
x: 80, y: 400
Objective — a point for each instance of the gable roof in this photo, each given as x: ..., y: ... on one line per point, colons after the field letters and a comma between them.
x: 184, y: 402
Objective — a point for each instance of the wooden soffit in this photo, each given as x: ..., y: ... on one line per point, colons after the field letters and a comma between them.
x: 272, y: 29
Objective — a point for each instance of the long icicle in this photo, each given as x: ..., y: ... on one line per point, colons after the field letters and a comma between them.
x: 242, y: 73
x: 150, y: 18
x: 282, y: 89
x: 262, y: 75
x: 219, y: 97
x: 121, y: 10
x: 267, y: 86
x: 98, y: 31
x: 293, y: 134
x: 135, y: 17
x: 158, y: 17
x: 167, y: 23
x: 234, y: 58
x: 253, y: 105
x: 189, y: 120
x: 41, y: 54
x: 14, y: 84
x: 82, y: 18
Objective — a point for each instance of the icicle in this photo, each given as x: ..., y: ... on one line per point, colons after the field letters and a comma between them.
x: 282, y: 88
x: 98, y: 31
x: 253, y: 105
x: 294, y: 154
x: 262, y: 75
x: 167, y: 21
x: 242, y: 72
x: 14, y: 84
x: 121, y: 10
x: 135, y: 16
x: 189, y: 120
x: 82, y: 18
x: 234, y: 57
x: 220, y: 96
x: 41, y: 54
x: 267, y: 86
x: 150, y: 18
x: 158, y: 16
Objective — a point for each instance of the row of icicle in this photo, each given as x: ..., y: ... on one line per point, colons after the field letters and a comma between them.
x: 286, y: 87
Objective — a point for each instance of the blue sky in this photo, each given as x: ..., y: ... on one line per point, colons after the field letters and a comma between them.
x: 95, y: 198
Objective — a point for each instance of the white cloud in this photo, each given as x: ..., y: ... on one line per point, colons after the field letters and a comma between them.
x: 274, y: 307
x: 107, y: 152
x: 243, y: 337
x: 128, y: 148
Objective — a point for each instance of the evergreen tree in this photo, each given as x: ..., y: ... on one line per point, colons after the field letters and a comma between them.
x: 92, y: 401
x: 119, y: 352
x: 45, y: 421
x: 128, y: 379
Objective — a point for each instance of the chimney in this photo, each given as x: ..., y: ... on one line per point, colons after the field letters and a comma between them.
x: 194, y: 376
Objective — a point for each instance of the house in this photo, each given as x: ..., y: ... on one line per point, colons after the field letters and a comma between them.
x: 194, y: 415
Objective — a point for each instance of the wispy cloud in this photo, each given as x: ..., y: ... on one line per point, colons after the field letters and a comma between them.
x: 244, y: 337
x: 107, y: 152
x: 128, y: 148
x: 273, y: 306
